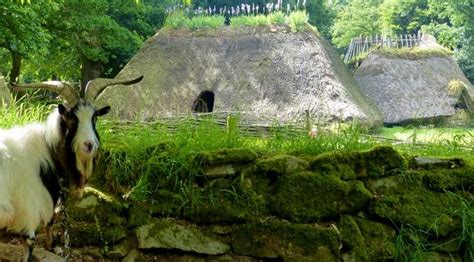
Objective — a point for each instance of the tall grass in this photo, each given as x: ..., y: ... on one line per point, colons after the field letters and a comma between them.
x: 277, y: 18
x: 153, y: 154
x: 21, y: 112
x: 176, y: 20
x: 179, y: 19
x: 298, y: 21
x: 258, y: 20
x: 202, y: 21
x: 145, y: 156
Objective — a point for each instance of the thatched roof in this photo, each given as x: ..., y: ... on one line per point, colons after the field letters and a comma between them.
x: 265, y: 74
x: 414, y: 86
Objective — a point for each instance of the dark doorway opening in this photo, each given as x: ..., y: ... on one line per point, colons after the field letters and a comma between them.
x: 204, y: 103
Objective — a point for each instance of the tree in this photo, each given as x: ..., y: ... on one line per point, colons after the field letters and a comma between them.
x: 452, y: 24
x: 403, y: 17
x: 359, y: 17
x: 22, y: 33
x: 321, y: 16
x: 91, y: 36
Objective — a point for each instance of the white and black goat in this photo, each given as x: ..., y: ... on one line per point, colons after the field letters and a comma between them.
x: 39, y: 161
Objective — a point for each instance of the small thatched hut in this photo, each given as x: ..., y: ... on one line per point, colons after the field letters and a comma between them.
x: 416, y: 86
x: 263, y: 74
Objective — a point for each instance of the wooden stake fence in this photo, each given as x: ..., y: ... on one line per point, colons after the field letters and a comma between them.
x: 362, y: 45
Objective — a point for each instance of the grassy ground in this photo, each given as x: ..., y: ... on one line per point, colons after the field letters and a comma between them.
x: 126, y: 143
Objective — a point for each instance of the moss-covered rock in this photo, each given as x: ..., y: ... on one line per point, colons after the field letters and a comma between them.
x: 97, y: 206
x: 170, y: 234
x: 232, y: 204
x: 282, y: 165
x: 377, y: 162
x: 84, y: 234
x: 449, y: 179
x: 165, y: 203
x: 290, y: 242
x: 367, y: 240
x: 306, y: 197
x: 226, y: 156
x: 138, y: 214
x: 434, y: 163
x: 404, y: 200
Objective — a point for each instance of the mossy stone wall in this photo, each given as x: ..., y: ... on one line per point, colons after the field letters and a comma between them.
x: 356, y: 206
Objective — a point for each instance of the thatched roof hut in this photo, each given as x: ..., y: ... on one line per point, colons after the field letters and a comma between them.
x: 263, y: 74
x: 415, y: 85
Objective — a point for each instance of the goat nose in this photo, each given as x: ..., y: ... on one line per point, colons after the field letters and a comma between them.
x: 88, y: 146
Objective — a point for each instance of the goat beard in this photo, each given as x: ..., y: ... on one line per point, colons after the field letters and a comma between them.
x: 85, y: 166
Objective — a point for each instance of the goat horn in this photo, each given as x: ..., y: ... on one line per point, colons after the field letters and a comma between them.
x: 96, y: 86
x: 64, y: 89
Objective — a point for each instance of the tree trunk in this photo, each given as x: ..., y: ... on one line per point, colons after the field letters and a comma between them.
x: 16, y: 65
x: 15, y: 72
x: 90, y: 70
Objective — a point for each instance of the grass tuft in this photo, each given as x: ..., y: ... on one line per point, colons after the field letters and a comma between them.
x: 258, y: 20
x: 277, y: 18
x: 414, y: 53
x: 202, y: 21
x: 298, y: 21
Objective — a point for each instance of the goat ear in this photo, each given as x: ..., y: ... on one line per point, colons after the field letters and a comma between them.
x: 104, y: 110
x: 62, y: 110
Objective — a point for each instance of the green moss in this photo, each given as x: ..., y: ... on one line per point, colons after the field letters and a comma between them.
x: 367, y: 240
x: 309, y: 196
x: 275, y: 239
x: 382, y: 160
x: 347, y: 165
x: 352, y: 238
x: 138, y: 215
x: 449, y: 179
x: 97, y: 204
x: 165, y: 203
x: 404, y: 200
x: 86, y: 234
x: 225, y: 156
x: 379, y: 161
x: 282, y: 165
x: 379, y: 239
x: 414, y: 53
x: 234, y: 202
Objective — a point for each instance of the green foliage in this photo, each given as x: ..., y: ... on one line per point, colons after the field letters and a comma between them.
x: 277, y: 18
x: 176, y: 20
x: 21, y: 112
x: 258, y: 20
x: 414, y: 53
x: 403, y: 17
x: 359, y: 17
x: 298, y: 21
x: 321, y: 15
x: 197, y: 22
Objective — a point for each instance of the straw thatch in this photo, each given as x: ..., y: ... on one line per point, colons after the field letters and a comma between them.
x: 415, y: 88
x: 265, y: 74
